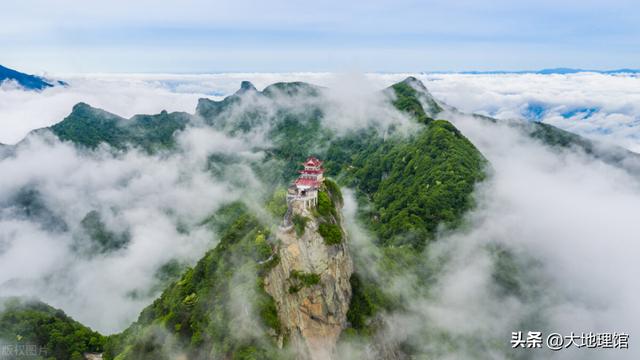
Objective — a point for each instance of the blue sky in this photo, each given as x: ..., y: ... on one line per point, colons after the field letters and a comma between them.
x: 402, y: 35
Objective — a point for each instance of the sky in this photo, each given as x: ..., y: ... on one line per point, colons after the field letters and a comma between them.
x: 196, y: 36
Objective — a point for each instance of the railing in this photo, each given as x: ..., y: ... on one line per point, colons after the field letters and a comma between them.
x: 298, y: 197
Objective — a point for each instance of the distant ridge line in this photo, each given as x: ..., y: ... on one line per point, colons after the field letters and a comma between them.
x: 552, y: 71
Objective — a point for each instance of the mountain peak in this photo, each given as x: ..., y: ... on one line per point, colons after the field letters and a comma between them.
x: 86, y: 111
x: 413, y: 97
x: 415, y: 83
x: 81, y: 106
x: 246, y: 86
x: 295, y: 88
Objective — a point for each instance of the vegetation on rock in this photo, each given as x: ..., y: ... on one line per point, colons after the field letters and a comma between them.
x: 331, y: 233
x: 198, y: 311
x: 301, y: 279
x: 299, y: 224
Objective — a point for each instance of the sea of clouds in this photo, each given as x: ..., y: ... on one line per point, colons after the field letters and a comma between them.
x: 600, y: 106
x: 571, y: 214
x: 150, y: 197
x: 158, y: 200
x: 569, y: 221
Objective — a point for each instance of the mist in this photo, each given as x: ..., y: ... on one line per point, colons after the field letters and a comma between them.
x: 151, y: 203
x: 130, y: 94
x: 573, y: 214
x: 156, y: 200
x: 568, y: 218
x: 598, y: 106
x: 569, y: 222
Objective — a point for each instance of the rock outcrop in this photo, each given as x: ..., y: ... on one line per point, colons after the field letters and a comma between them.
x: 311, y: 287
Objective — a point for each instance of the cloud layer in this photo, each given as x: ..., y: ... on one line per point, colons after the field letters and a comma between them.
x: 572, y: 215
x: 599, y: 106
x: 569, y: 222
x: 157, y: 201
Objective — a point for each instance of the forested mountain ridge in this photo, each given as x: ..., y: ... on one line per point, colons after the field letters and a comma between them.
x: 55, y: 334
x: 438, y: 164
x: 409, y: 185
x: 88, y: 126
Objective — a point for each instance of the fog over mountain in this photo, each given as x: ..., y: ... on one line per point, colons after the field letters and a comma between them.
x: 573, y: 216
x: 319, y: 180
x: 599, y: 106
x: 547, y: 240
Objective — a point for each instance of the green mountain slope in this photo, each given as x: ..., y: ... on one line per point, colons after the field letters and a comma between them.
x: 88, y: 126
x: 411, y: 184
x: 411, y: 96
x: 414, y: 184
x: 211, y: 311
x: 55, y: 335
x: 197, y: 315
x: 407, y: 186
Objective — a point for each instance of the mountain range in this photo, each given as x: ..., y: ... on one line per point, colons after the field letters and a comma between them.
x: 550, y: 71
x: 262, y: 293
x: 28, y: 82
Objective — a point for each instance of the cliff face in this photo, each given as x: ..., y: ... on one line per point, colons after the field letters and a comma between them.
x: 311, y: 286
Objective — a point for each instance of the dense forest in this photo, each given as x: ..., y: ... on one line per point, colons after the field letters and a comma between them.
x: 57, y: 336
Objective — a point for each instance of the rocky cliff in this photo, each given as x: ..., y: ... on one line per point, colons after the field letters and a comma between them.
x: 310, y: 284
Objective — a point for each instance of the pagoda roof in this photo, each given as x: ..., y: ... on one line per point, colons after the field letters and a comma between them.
x: 306, y: 182
x: 312, y: 161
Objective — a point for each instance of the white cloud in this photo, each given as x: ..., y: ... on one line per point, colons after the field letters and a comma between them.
x: 612, y: 102
x: 570, y: 221
x: 615, y: 99
x: 573, y: 215
x: 124, y: 95
x: 150, y: 197
x: 22, y: 111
